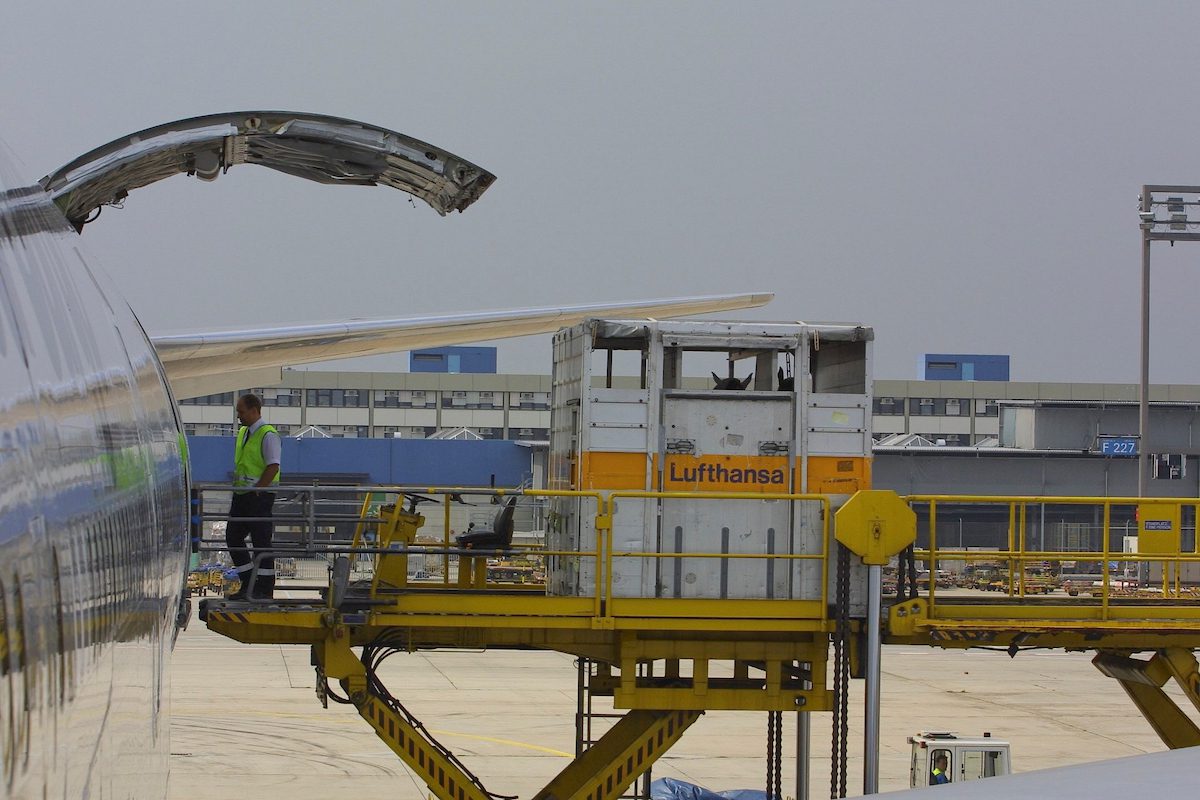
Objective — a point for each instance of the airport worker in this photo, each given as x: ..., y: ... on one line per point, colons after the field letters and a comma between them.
x: 939, y: 770
x: 256, y: 464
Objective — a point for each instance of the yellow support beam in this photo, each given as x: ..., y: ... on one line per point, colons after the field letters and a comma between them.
x: 429, y: 761
x: 1143, y: 682
x: 628, y: 749
x: 444, y: 778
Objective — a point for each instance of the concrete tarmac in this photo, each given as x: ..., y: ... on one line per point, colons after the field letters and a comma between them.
x: 246, y: 722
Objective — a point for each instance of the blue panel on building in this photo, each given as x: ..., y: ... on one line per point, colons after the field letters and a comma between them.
x: 474, y: 360
x: 964, y: 367
x: 425, y: 462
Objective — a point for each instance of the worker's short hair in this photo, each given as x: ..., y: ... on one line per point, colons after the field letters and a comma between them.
x: 251, y: 401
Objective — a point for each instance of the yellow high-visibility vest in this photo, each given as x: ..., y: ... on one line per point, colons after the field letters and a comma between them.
x: 248, y: 463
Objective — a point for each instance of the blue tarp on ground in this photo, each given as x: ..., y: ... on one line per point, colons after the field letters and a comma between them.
x: 671, y: 789
x: 424, y: 462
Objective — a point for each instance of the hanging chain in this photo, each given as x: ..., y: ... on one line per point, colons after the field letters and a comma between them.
x: 841, y: 679
x: 774, y: 755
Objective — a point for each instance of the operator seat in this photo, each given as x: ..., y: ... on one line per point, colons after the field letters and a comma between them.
x: 497, y: 537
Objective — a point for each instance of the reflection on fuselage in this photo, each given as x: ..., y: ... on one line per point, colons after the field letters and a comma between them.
x: 93, y: 526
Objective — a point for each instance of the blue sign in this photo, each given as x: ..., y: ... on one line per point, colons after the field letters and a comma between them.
x: 1157, y: 525
x: 1118, y: 446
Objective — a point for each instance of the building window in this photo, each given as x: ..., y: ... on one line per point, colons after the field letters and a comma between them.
x: 535, y: 434
x: 986, y: 408
x: 336, y: 398
x: 395, y: 398
x: 278, y: 397
x: 921, y: 406
x: 888, y: 406
x: 223, y: 399
x: 530, y: 401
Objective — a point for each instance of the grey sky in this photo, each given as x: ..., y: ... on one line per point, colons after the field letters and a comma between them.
x: 961, y: 176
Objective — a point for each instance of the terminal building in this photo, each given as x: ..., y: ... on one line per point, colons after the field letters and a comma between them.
x: 416, y: 405
x: 1026, y: 438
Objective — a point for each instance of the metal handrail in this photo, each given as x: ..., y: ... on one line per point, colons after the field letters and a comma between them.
x: 603, y: 552
x: 1018, y: 555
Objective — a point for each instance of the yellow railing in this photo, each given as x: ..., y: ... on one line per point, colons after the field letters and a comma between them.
x: 1018, y: 556
x: 603, y: 554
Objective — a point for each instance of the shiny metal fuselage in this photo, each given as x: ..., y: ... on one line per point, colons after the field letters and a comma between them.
x: 93, y: 522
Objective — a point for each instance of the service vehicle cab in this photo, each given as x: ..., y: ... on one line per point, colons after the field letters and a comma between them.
x: 967, y: 758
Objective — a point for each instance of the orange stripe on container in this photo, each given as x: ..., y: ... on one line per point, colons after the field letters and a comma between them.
x: 837, y: 474
x: 613, y: 471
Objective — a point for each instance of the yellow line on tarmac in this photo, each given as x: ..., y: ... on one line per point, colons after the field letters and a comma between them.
x: 512, y: 742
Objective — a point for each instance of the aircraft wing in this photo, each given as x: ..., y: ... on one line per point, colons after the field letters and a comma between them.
x: 208, y: 363
x: 320, y: 148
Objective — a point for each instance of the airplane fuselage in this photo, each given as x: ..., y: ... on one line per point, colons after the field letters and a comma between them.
x: 93, y: 523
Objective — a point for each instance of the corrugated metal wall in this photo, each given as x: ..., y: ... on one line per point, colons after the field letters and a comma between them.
x: 1034, y: 474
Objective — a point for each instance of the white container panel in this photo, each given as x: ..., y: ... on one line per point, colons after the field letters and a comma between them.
x: 617, y: 440
x: 727, y: 426
x: 627, y: 415
x: 837, y: 425
x: 634, y: 531
x: 572, y: 530
x: 807, y: 573
x: 720, y: 527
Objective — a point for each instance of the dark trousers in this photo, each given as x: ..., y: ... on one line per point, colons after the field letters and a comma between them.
x: 257, y: 506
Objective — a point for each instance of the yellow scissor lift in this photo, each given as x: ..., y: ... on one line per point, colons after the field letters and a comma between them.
x: 654, y: 654
x: 778, y: 648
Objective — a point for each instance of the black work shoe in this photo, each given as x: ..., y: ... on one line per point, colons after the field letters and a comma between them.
x: 241, y: 594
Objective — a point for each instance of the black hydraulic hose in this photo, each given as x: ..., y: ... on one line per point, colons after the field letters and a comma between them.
x: 374, y: 654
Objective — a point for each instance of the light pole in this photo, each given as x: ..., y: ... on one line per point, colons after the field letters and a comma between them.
x: 1173, y: 228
